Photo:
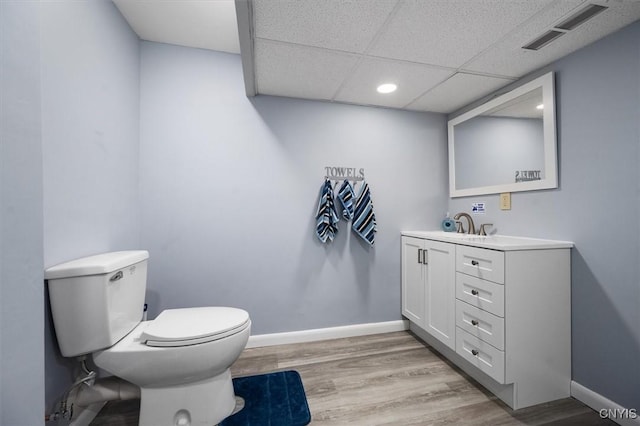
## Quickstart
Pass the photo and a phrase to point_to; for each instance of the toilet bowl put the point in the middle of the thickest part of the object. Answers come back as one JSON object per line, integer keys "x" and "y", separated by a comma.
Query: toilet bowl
{"x": 180, "y": 360}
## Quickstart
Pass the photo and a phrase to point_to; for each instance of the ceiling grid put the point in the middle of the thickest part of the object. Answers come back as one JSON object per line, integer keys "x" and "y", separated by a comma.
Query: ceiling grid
{"x": 442, "y": 54}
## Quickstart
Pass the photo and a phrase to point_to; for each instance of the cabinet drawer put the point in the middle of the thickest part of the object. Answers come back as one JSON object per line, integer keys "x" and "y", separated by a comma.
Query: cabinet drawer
{"x": 481, "y": 263}
{"x": 481, "y": 324}
{"x": 482, "y": 294}
{"x": 481, "y": 354}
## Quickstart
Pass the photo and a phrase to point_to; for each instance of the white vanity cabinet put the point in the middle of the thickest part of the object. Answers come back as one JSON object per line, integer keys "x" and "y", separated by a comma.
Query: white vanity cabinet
{"x": 428, "y": 287}
{"x": 499, "y": 307}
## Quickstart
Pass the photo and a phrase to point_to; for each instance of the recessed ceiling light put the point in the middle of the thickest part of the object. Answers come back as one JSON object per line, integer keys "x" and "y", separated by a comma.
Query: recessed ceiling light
{"x": 541, "y": 106}
{"x": 387, "y": 88}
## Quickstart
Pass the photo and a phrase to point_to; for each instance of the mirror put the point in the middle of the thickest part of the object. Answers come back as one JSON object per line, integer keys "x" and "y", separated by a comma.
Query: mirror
{"x": 507, "y": 144}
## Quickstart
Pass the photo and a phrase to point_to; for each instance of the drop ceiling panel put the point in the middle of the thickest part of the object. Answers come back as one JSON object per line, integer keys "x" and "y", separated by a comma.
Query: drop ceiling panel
{"x": 412, "y": 80}
{"x": 450, "y": 33}
{"x": 342, "y": 25}
{"x": 508, "y": 58}
{"x": 458, "y": 91}
{"x": 290, "y": 70}
{"x": 340, "y": 49}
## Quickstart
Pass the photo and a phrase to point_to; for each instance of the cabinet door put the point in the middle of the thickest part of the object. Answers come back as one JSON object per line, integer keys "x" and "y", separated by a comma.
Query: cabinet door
{"x": 413, "y": 280}
{"x": 440, "y": 296}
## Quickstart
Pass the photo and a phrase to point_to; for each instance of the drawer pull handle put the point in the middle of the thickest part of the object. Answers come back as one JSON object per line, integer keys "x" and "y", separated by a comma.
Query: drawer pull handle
{"x": 474, "y": 292}
{"x": 474, "y": 322}
{"x": 475, "y": 262}
{"x": 474, "y": 352}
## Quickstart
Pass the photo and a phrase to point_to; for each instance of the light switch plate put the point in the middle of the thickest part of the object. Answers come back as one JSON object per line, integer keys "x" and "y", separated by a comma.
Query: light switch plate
{"x": 505, "y": 201}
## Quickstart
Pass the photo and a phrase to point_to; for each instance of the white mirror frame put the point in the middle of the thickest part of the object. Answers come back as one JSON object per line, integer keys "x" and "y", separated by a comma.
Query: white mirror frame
{"x": 546, "y": 82}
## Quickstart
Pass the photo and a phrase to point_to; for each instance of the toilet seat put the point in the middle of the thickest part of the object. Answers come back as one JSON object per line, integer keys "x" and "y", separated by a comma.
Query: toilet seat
{"x": 191, "y": 326}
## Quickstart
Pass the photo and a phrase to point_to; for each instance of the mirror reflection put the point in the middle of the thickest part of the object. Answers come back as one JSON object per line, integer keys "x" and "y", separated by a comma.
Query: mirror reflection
{"x": 505, "y": 145}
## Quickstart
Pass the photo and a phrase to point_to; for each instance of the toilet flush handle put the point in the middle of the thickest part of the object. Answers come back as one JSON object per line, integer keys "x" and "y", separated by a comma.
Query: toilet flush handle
{"x": 118, "y": 275}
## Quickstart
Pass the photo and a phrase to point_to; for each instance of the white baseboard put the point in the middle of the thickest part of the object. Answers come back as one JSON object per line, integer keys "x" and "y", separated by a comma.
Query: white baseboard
{"x": 610, "y": 409}
{"x": 326, "y": 333}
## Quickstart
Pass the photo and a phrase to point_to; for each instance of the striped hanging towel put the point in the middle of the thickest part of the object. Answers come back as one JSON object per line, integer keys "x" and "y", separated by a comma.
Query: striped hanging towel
{"x": 326, "y": 217}
{"x": 364, "y": 219}
{"x": 346, "y": 197}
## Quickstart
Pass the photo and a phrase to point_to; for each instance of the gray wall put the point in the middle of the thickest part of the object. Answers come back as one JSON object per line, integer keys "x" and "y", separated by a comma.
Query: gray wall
{"x": 90, "y": 127}
{"x": 229, "y": 189}
{"x": 90, "y": 132}
{"x": 21, "y": 289}
{"x": 597, "y": 206}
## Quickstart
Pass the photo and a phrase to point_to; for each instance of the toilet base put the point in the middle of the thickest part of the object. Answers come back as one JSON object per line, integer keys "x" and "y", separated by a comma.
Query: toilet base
{"x": 203, "y": 403}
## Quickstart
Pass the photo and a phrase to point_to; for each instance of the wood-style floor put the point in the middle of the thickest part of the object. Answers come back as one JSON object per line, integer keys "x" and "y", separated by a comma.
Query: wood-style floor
{"x": 384, "y": 379}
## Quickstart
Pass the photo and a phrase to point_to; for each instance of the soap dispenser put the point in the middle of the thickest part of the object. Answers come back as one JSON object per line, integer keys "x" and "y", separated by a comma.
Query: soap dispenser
{"x": 448, "y": 224}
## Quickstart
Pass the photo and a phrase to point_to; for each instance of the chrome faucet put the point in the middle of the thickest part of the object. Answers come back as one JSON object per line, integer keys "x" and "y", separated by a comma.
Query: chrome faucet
{"x": 472, "y": 228}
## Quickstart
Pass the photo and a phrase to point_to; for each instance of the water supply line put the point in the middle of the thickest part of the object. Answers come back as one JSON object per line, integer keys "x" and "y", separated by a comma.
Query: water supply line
{"x": 93, "y": 391}
{"x": 65, "y": 411}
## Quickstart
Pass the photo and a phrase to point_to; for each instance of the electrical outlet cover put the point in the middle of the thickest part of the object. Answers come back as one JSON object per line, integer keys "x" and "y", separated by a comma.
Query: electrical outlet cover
{"x": 505, "y": 201}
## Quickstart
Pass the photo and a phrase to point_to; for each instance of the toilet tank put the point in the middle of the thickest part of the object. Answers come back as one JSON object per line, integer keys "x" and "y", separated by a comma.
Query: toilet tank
{"x": 97, "y": 300}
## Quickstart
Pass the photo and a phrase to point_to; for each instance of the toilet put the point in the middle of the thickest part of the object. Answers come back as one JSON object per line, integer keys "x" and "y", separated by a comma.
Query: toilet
{"x": 180, "y": 360}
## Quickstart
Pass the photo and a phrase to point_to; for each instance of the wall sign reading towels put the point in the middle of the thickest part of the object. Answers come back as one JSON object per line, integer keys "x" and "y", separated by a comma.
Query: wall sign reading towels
{"x": 350, "y": 173}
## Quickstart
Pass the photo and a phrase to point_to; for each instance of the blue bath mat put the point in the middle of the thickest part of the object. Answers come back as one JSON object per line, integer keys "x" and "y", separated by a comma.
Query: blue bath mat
{"x": 273, "y": 399}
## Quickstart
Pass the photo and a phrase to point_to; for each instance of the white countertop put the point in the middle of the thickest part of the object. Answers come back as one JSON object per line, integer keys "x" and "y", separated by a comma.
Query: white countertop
{"x": 495, "y": 242}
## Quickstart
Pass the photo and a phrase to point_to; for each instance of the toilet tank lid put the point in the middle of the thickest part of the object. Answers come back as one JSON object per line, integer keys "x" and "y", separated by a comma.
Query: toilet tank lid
{"x": 96, "y": 265}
